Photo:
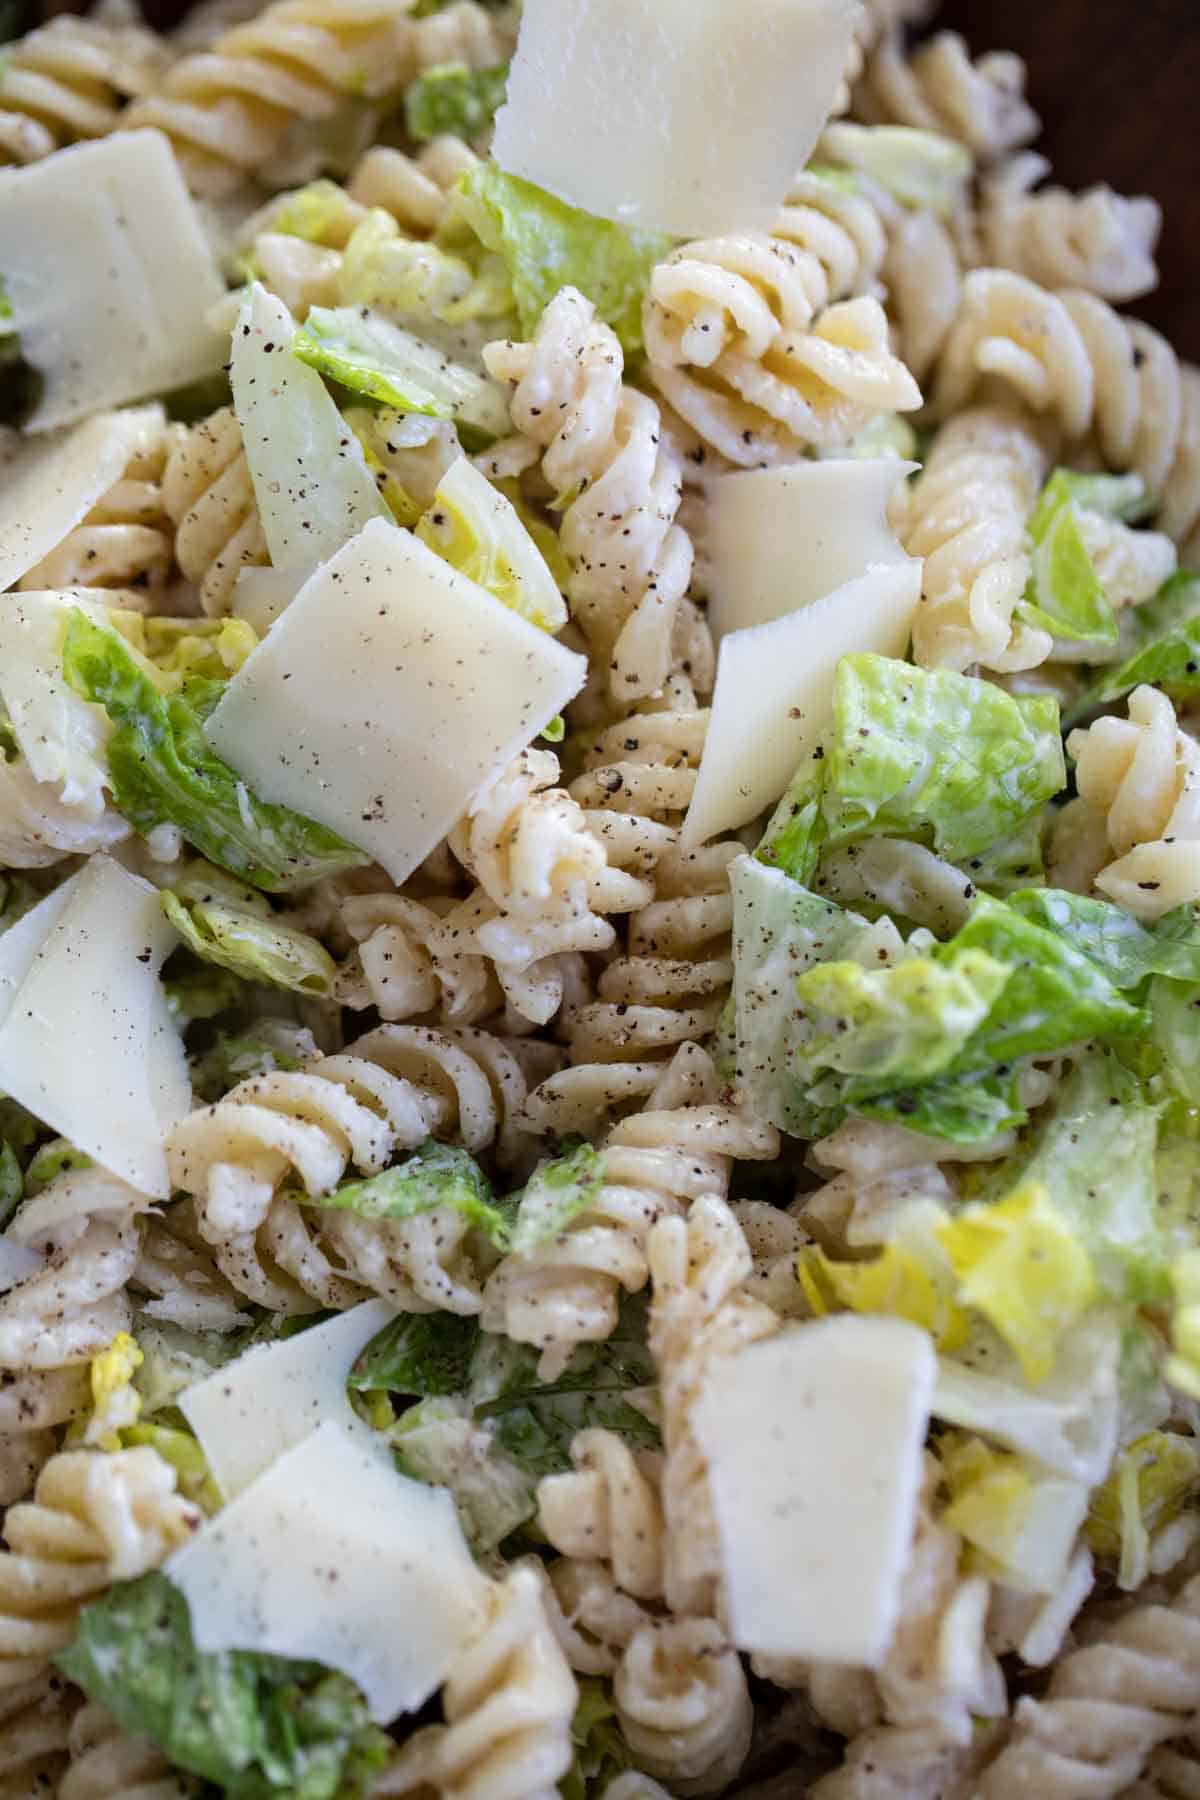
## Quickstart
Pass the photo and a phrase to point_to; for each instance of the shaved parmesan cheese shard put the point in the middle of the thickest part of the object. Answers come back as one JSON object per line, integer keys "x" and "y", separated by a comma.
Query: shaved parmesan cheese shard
{"x": 777, "y": 539}
{"x": 687, "y": 116}
{"x": 61, "y": 736}
{"x": 311, "y": 481}
{"x": 255, "y": 1409}
{"x": 774, "y": 693}
{"x": 260, "y": 595}
{"x": 814, "y": 1441}
{"x": 387, "y": 695}
{"x": 48, "y": 484}
{"x": 87, "y": 1042}
{"x": 109, "y": 274}
{"x": 17, "y": 1263}
{"x": 335, "y": 1556}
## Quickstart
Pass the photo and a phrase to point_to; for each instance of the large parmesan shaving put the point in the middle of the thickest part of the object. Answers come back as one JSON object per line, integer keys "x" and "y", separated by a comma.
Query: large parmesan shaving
{"x": 257, "y": 1408}
{"x": 87, "y": 1042}
{"x": 387, "y": 695}
{"x": 61, "y": 736}
{"x": 687, "y": 116}
{"x": 109, "y": 274}
{"x": 774, "y": 693}
{"x": 48, "y": 484}
{"x": 333, "y": 1555}
{"x": 777, "y": 539}
{"x": 814, "y": 1440}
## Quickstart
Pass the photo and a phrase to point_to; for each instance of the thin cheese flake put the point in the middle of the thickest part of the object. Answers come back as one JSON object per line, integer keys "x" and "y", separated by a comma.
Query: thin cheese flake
{"x": 266, "y": 1402}
{"x": 61, "y": 736}
{"x": 387, "y": 695}
{"x": 48, "y": 484}
{"x": 109, "y": 275}
{"x": 685, "y": 116}
{"x": 333, "y": 1555}
{"x": 778, "y": 539}
{"x": 774, "y": 693}
{"x": 814, "y": 1440}
{"x": 87, "y": 1042}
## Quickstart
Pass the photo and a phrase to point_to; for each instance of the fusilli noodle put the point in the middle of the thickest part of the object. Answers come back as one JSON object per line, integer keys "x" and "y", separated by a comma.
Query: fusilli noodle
{"x": 1098, "y": 241}
{"x": 105, "y": 1762}
{"x": 209, "y": 497}
{"x": 69, "y": 79}
{"x": 35, "y": 1720}
{"x": 607, "y": 1510}
{"x": 683, "y": 1704}
{"x": 981, "y": 103}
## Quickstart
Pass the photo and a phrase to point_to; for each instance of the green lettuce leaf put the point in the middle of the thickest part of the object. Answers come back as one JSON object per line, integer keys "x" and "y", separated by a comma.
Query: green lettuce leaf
{"x": 174, "y": 1358}
{"x": 361, "y": 350}
{"x": 163, "y": 771}
{"x": 1175, "y": 1031}
{"x": 453, "y": 98}
{"x": 601, "y": 1752}
{"x": 440, "y": 1442}
{"x": 199, "y": 991}
{"x": 435, "y": 1175}
{"x": 50, "y": 1160}
{"x": 181, "y": 1449}
{"x": 922, "y": 169}
{"x": 967, "y": 1109}
{"x": 1127, "y": 950}
{"x": 12, "y": 1183}
{"x": 235, "y": 1055}
{"x": 549, "y": 245}
{"x": 556, "y": 1192}
{"x": 473, "y": 527}
{"x": 254, "y": 1725}
{"x": 423, "y": 1355}
{"x": 1163, "y": 648}
{"x": 415, "y": 282}
{"x": 1065, "y": 595}
{"x": 254, "y": 948}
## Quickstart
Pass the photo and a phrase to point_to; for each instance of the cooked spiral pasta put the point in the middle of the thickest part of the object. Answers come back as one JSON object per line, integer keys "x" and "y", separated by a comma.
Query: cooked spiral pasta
{"x": 982, "y": 103}
{"x": 1071, "y": 356}
{"x": 209, "y": 497}
{"x": 404, "y": 965}
{"x": 32, "y": 1406}
{"x": 607, "y": 1509}
{"x": 901, "y": 1763}
{"x": 105, "y": 1762}
{"x": 603, "y": 443}
{"x": 72, "y": 1308}
{"x": 175, "y": 1268}
{"x": 1143, "y": 774}
{"x": 966, "y": 516}
{"x": 124, "y": 545}
{"x": 1099, "y": 241}
{"x": 1108, "y": 1706}
{"x": 923, "y": 275}
{"x": 388, "y": 1092}
{"x": 566, "y": 1292}
{"x": 683, "y": 1704}
{"x": 700, "y": 1312}
{"x": 228, "y": 109}
{"x": 39, "y": 828}
{"x": 69, "y": 79}
{"x": 1173, "y": 1773}
{"x": 35, "y": 1721}
{"x": 95, "y": 1518}
{"x": 508, "y": 1703}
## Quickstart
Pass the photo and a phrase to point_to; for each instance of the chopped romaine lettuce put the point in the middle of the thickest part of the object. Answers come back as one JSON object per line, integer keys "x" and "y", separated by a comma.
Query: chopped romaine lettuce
{"x": 258, "y": 1049}
{"x": 12, "y": 1183}
{"x": 967, "y": 1109}
{"x": 1162, "y": 648}
{"x": 1019, "y": 1522}
{"x": 1183, "y": 1365}
{"x": 179, "y": 1447}
{"x": 422, "y": 1355}
{"x": 453, "y": 98}
{"x": 199, "y": 991}
{"x": 601, "y": 1752}
{"x": 1175, "y": 1032}
{"x": 556, "y": 1192}
{"x": 255, "y": 1725}
{"x": 181, "y": 649}
{"x": 174, "y": 1358}
{"x": 910, "y": 1279}
{"x": 249, "y": 946}
{"x": 163, "y": 771}
{"x": 549, "y": 245}
{"x": 1127, "y": 950}
{"x": 1066, "y": 596}
{"x": 361, "y": 350}
{"x": 435, "y": 1175}
{"x": 439, "y": 1442}
{"x": 923, "y": 169}
{"x": 416, "y": 282}
{"x": 1153, "y": 1477}
{"x": 473, "y": 527}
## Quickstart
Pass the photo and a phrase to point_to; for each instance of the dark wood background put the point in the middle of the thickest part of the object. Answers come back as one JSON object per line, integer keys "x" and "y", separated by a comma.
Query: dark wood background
{"x": 1117, "y": 83}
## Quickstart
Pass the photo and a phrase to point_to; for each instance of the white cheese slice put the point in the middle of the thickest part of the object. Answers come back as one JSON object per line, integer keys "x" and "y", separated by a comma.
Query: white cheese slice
{"x": 20, "y": 944}
{"x": 814, "y": 1442}
{"x": 260, "y": 595}
{"x": 61, "y": 736}
{"x": 335, "y": 1556}
{"x": 109, "y": 274}
{"x": 255, "y": 1409}
{"x": 48, "y": 484}
{"x": 388, "y": 694}
{"x": 685, "y": 116}
{"x": 311, "y": 481}
{"x": 87, "y": 1043}
{"x": 17, "y": 1263}
{"x": 777, "y": 539}
{"x": 774, "y": 693}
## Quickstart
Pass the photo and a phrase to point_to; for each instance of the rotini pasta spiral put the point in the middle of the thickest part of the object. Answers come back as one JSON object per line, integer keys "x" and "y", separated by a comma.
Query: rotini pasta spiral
{"x": 566, "y": 1292}
{"x": 683, "y": 1704}
{"x": 966, "y": 516}
{"x": 1071, "y": 356}
{"x": 95, "y": 1518}
{"x": 1143, "y": 774}
{"x": 982, "y": 103}
{"x": 901, "y": 1763}
{"x": 1108, "y": 1707}
{"x": 105, "y": 1762}
{"x": 35, "y": 1721}
{"x": 175, "y": 1268}
{"x": 700, "y": 1312}
{"x": 72, "y": 1308}
{"x": 1099, "y": 241}
{"x": 69, "y": 79}
{"x": 407, "y": 966}
{"x": 603, "y": 444}
{"x": 209, "y": 497}
{"x": 607, "y": 1509}
{"x": 228, "y": 109}
{"x": 592, "y": 1618}
{"x": 508, "y": 1703}
{"x": 1173, "y": 1773}
{"x": 32, "y": 1405}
